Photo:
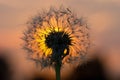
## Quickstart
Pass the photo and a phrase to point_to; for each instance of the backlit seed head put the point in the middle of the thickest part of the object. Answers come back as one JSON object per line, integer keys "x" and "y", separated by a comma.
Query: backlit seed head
{"x": 56, "y": 36}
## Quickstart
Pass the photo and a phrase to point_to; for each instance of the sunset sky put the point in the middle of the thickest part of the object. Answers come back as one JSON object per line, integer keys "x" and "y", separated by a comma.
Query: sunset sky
{"x": 102, "y": 17}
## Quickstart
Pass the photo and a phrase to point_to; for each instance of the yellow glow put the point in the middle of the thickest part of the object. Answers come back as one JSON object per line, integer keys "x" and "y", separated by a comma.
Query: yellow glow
{"x": 65, "y": 51}
{"x": 43, "y": 32}
{"x": 57, "y": 26}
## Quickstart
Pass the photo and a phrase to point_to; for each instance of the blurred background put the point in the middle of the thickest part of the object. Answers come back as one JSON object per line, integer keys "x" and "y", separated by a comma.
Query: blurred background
{"x": 102, "y": 63}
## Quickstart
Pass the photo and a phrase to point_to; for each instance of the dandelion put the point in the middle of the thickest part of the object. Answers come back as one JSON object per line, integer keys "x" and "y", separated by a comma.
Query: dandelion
{"x": 56, "y": 37}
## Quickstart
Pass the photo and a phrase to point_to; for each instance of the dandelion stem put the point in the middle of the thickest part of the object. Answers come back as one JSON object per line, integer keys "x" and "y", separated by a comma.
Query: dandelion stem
{"x": 57, "y": 70}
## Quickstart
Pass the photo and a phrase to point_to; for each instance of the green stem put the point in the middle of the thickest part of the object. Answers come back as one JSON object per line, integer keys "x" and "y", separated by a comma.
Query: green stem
{"x": 57, "y": 70}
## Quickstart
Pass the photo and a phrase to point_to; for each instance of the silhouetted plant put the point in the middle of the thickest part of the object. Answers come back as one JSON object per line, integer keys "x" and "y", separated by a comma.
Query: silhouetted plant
{"x": 5, "y": 69}
{"x": 56, "y": 37}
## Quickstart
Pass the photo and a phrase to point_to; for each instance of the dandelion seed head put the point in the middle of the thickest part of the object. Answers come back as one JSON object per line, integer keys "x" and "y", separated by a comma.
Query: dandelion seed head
{"x": 56, "y": 35}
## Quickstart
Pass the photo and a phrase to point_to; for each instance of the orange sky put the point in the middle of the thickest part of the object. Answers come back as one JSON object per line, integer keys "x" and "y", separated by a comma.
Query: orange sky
{"x": 102, "y": 15}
